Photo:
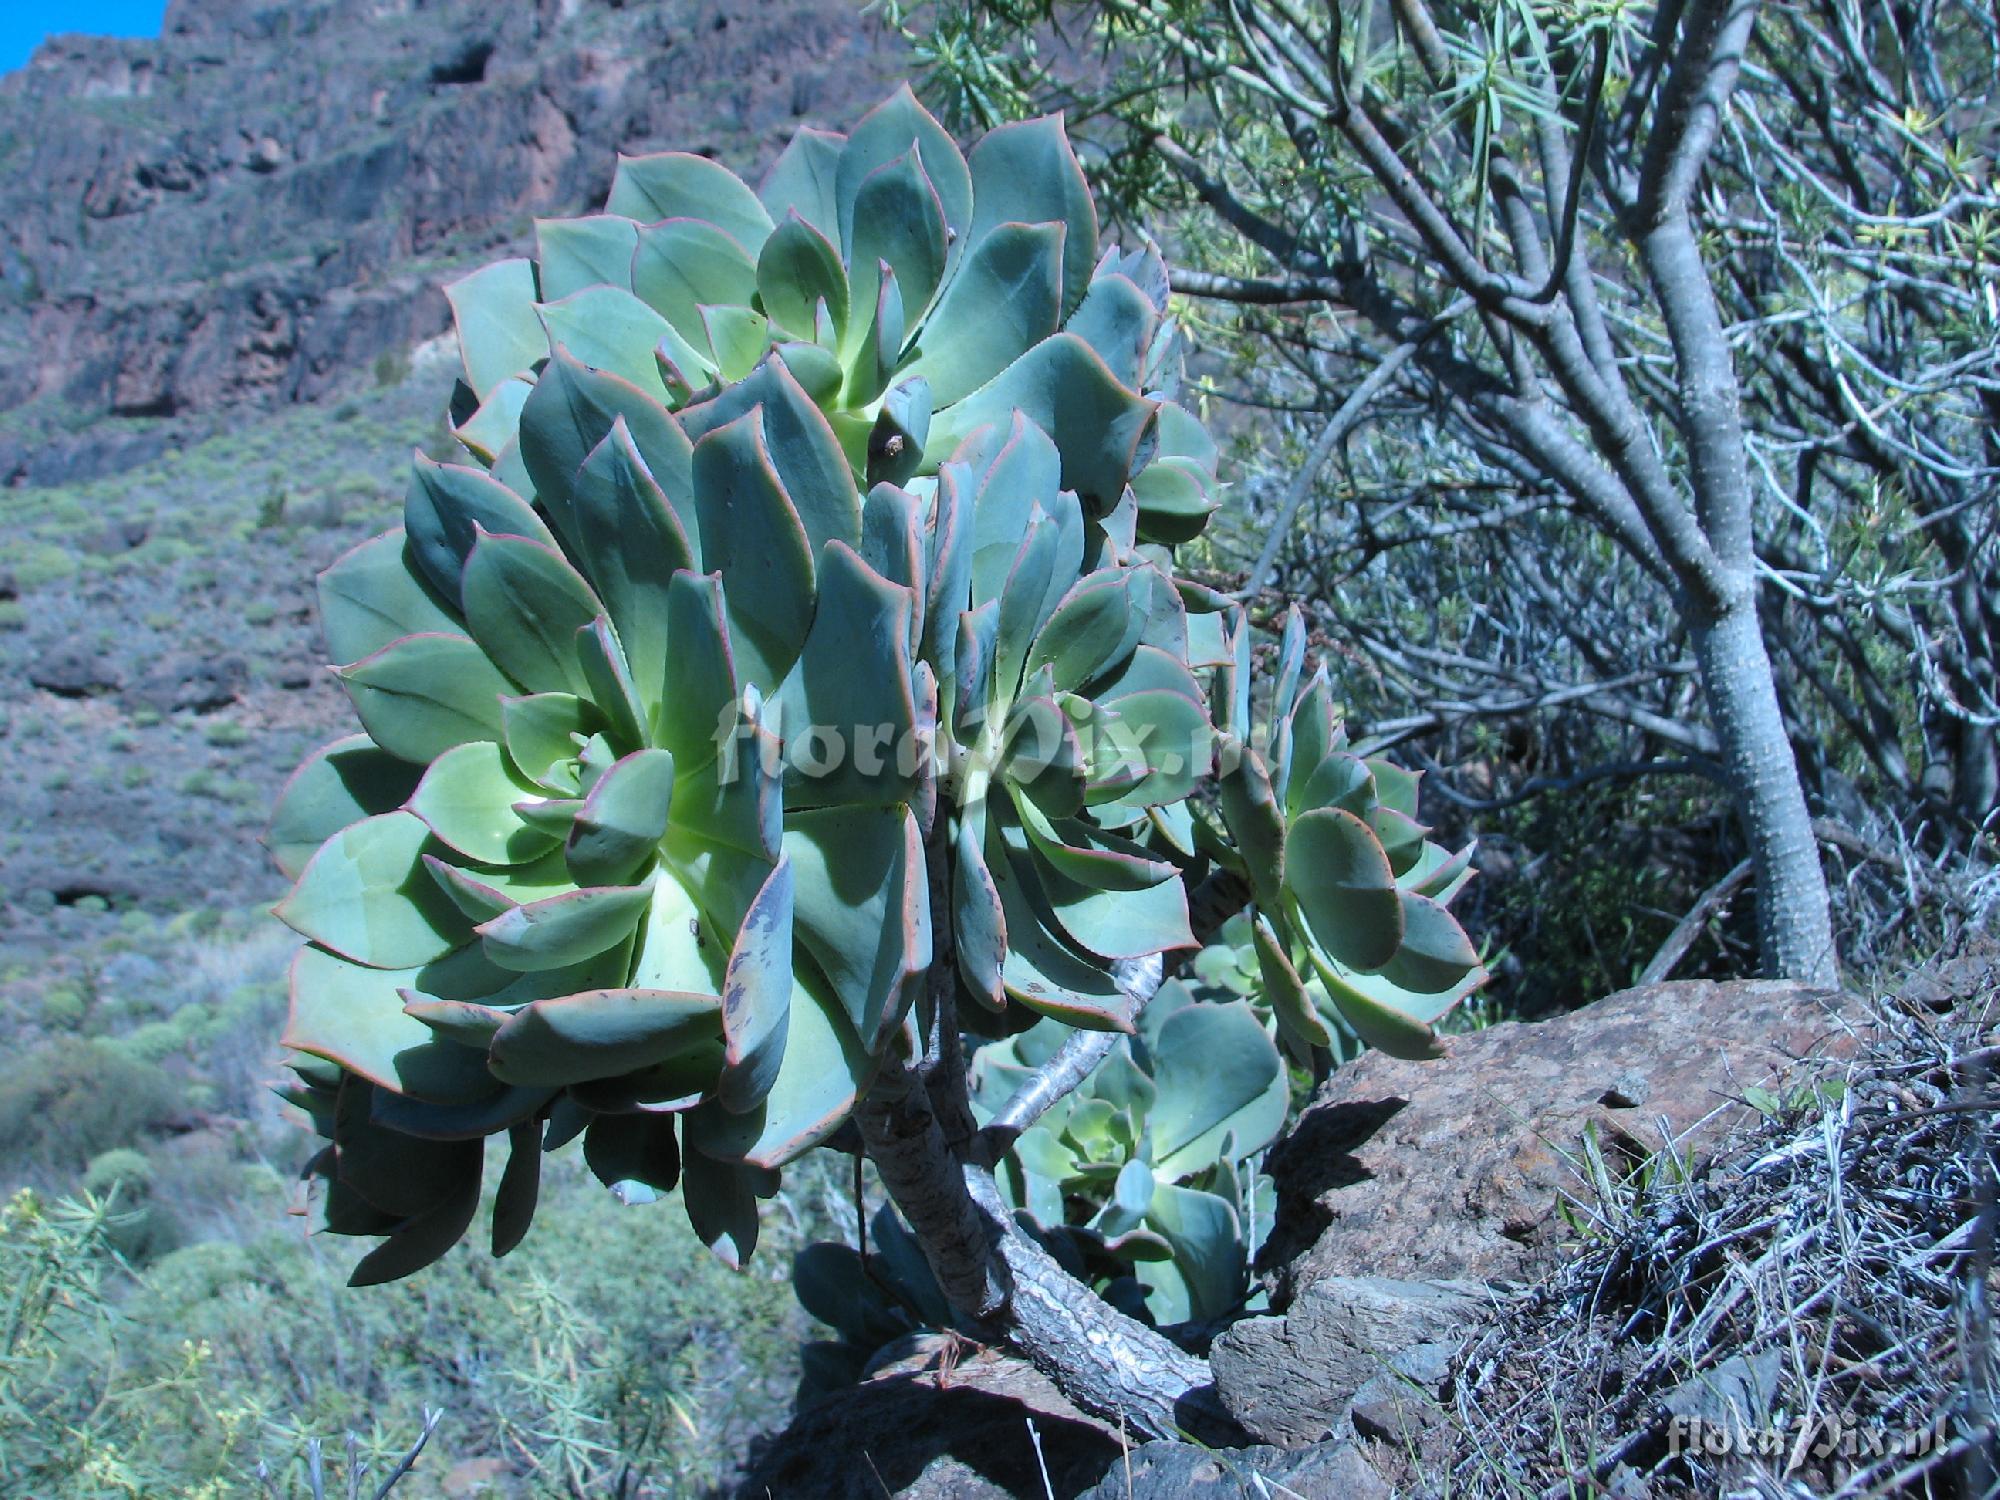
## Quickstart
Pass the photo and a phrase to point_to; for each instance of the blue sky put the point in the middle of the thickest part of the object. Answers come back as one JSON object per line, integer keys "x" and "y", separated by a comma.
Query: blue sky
{"x": 23, "y": 23}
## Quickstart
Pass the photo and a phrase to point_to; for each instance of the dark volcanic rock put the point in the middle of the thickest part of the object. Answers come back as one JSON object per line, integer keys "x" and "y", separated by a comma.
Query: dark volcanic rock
{"x": 74, "y": 672}
{"x": 190, "y": 682}
{"x": 195, "y": 224}
{"x": 1288, "y": 1379}
{"x": 1455, "y": 1168}
{"x": 1182, "y": 1471}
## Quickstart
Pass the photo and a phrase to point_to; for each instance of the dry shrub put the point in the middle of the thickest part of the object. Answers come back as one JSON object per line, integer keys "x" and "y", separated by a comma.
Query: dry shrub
{"x": 1826, "y": 1283}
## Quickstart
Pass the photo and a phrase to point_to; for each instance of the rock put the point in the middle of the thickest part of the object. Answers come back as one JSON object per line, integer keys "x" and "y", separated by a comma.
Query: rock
{"x": 1400, "y": 1406}
{"x": 929, "y": 1428}
{"x": 1288, "y": 1379}
{"x": 1735, "y": 1395}
{"x": 219, "y": 240}
{"x": 1182, "y": 1471}
{"x": 200, "y": 684}
{"x": 73, "y": 672}
{"x": 1454, "y": 1168}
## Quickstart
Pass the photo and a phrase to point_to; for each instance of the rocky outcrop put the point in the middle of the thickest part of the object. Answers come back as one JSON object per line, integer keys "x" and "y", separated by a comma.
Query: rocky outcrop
{"x": 257, "y": 206}
{"x": 1288, "y": 1379}
{"x": 1456, "y": 1168}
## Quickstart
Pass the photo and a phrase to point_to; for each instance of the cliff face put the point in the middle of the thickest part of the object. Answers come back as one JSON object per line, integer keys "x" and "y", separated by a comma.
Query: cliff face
{"x": 257, "y": 207}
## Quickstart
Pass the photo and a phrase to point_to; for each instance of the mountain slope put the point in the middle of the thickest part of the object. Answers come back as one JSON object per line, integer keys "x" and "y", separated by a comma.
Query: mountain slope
{"x": 260, "y": 204}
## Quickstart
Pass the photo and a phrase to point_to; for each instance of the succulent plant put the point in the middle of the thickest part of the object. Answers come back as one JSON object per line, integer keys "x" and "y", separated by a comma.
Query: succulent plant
{"x": 1350, "y": 921}
{"x": 808, "y": 588}
{"x": 1148, "y": 1169}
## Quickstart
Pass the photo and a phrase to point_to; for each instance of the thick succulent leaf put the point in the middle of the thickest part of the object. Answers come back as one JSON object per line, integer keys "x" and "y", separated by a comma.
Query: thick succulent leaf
{"x": 721, "y": 1202}
{"x": 892, "y": 540}
{"x": 1009, "y": 470}
{"x": 1088, "y": 855}
{"x": 608, "y": 678}
{"x": 824, "y": 1069}
{"x": 846, "y": 709}
{"x": 1093, "y": 630}
{"x": 1340, "y": 878}
{"x": 524, "y": 604}
{"x": 804, "y": 180}
{"x": 444, "y": 509}
{"x": 734, "y": 800}
{"x": 601, "y": 1034}
{"x": 1153, "y": 747}
{"x": 1439, "y": 874}
{"x": 1042, "y": 756}
{"x": 861, "y": 909}
{"x": 757, "y": 995}
{"x": 498, "y": 333}
{"x": 543, "y": 733}
{"x": 679, "y": 185}
{"x": 353, "y": 1016}
{"x": 501, "y": 1108}
{"x": 898, "y": 222}
{"x": 1395, "y": 788}
{"x": 1175, "y": 500}
{"x": 482, "y": 892}
{"x": 1117, "y": 321}
{"x": 422, "y": 695}
{"x": 571, "y": 254}
{"x": 367, "y": 896}
{"x": 1340, "y": 780}
{"x": 612, "y": 330}
{"x": 885, "y": 133}
{"x": 752, "y": 534}
{"x": 635, "y": 1155}
{"x": 1256, "y": 825}
{"x": 489, "y": 430}
{"x": 1220, "y": 1080}
{"x": 738, "y": 337}
{"x": 572, "y": 412}
{"x": 619, "y": 827}
{"x": 1204, "y": 1280}
{"x": 798, "y": 273}
{"x": 424, "y": 1239}
{"x": 1384, "y": 1015}
{"x": 629, "y": 544}
{"x": 804, "y": 452}
{"x": 1298, "y": 1018}
{"x": 699, "y": 678}
{"x": 1401, "y": 837}
{"x": 1103, "y": 431}
{"x": 1026, "y": 602}
{"x": 1118, "y": 923}
{"x": 520, "y": 1188}
{"x": 1436, "y": 957}
{"x": 1025, "y": 173}
{"x": 563, "y": 929}
{"x": 468, "y": 798}
{"x": 682, "y": 265}
{"x": 336, "y": 786}
{"x": 1004, "y": 300}
{"x": 370, "y": 597}
{"x": 978, "y": 924}
{"x": 1042, "y": 971}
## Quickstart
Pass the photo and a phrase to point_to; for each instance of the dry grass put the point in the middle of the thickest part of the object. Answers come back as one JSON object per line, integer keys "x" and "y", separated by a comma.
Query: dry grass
{"x": 1827, "y": 1281}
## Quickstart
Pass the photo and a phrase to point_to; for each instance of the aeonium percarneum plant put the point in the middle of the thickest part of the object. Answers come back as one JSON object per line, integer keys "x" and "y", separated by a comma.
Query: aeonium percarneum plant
{"x": 793, "y": 683}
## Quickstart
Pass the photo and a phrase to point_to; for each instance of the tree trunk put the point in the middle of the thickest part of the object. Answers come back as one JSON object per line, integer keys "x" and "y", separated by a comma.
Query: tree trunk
{"x": 1006, "y": 1285}
{"x": 1794, "y": 926}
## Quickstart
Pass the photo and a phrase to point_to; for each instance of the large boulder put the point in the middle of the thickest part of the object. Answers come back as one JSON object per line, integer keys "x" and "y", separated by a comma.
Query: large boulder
{"x": 1455, "y": 1169}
